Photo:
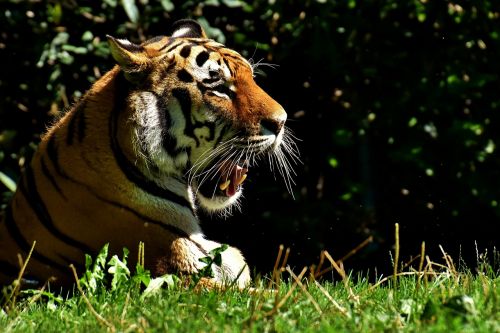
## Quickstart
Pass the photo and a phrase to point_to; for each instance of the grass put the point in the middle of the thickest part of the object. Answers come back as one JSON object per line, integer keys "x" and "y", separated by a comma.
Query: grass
{"x": 433, "y": 297}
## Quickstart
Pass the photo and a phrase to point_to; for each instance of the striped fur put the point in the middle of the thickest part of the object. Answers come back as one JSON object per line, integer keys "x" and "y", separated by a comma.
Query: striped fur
{"x": 150, "y": 143}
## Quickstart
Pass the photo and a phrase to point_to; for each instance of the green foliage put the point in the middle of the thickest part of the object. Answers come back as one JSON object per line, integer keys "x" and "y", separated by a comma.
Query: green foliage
{"x": 154, "y": 286}
{"x": 101, "y": 273}
{"x": 8, "y": 182}
{"x": 95, "y": 272}
{"x": 214, "y": 258}
{"x": 118, "y": 268}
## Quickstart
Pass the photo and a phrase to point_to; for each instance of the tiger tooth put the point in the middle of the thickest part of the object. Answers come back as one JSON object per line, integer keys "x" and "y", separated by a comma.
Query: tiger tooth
{"x": 225, "y": 185}
{"x": 241, "y": 180}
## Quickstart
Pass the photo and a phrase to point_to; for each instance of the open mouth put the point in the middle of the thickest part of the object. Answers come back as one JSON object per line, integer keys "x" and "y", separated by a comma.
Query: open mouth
{"x": 232, "y": 176}
{"x": 227, "y": 181}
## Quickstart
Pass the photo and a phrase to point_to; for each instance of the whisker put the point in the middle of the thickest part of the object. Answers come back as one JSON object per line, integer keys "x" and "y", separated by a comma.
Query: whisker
{"x": 222, "y": 161}
{"x": 212, "y": 154}
{"x": 213, "y": 170}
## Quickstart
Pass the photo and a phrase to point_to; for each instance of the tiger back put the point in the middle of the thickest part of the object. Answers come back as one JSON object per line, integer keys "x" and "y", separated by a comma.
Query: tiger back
{"x": 174, "y": 127}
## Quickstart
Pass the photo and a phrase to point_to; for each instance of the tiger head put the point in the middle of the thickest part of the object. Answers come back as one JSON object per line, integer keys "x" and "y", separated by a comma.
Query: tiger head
{"x": 199, "y": 115}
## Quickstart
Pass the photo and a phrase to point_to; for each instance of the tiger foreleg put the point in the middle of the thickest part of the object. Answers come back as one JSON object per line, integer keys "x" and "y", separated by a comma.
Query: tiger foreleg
{"x": 194, "y": 258}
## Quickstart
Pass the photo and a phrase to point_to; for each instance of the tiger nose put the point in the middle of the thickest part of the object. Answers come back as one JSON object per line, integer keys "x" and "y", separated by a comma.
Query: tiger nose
{"x": 273, "y": 124}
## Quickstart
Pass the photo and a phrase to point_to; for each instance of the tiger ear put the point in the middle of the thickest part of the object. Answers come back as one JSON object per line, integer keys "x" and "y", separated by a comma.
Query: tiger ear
{"x": 129, "y": 56}
{"x": 188, "y": 29}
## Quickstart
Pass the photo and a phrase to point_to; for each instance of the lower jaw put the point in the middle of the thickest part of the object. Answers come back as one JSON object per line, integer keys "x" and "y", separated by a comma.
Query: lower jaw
{"x": 218, "y": 202}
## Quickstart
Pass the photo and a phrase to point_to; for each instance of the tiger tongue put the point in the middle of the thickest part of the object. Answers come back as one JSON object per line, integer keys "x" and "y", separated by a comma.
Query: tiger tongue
{"x": 231, "y": 189}
{"x": 237, "y": 176}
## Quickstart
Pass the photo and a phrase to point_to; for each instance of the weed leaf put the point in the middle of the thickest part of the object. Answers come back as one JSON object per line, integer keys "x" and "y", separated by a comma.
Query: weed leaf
{"x": 142, "y": 275}
{"x": 95, "y": 274}
{"x": 155, "y": 285}
{"x": 118, "y": 268}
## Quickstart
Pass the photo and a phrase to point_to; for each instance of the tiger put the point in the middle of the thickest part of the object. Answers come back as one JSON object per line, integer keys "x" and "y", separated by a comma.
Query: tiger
{"x": 172, "y": 128}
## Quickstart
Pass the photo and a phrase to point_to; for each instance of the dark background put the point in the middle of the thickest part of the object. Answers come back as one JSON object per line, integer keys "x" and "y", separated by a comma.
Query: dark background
{"x": 396, "y": 105}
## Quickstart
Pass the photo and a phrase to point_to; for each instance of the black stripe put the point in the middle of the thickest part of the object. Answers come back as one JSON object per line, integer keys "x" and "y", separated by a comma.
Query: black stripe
{"x": 18, "y": 237}
{"x": 30, "y": 192}
{"x": 184, "y": 76}
{"x": 71, "y": 129}
{"x": 186, "y": 51}
{"x": 223, "y": 89}
{"x": 175, "y": 45}
{"x": 76, "y": 125}
{"x": 223, "y": 131}
{"x": 169, "y": 142}
{"x": 128, "y": 168}
{"x": 202, "y": 57}
{"x": 228, "y": 67}
{"x": 82, "y": 126}
{"x": 165, "y": 73}
{"x": 237, "y": 59}
{"x": 184, "y": 98}
{"x": 50, "y": 177}
{"x": 211, "y": 80}
{"x": 201, "y": 87}
{"x": 8, "y": 269}
{"x": 167, "y": 44}
{"x": 53, "y": 154}
{"x": 211, "y": 130}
